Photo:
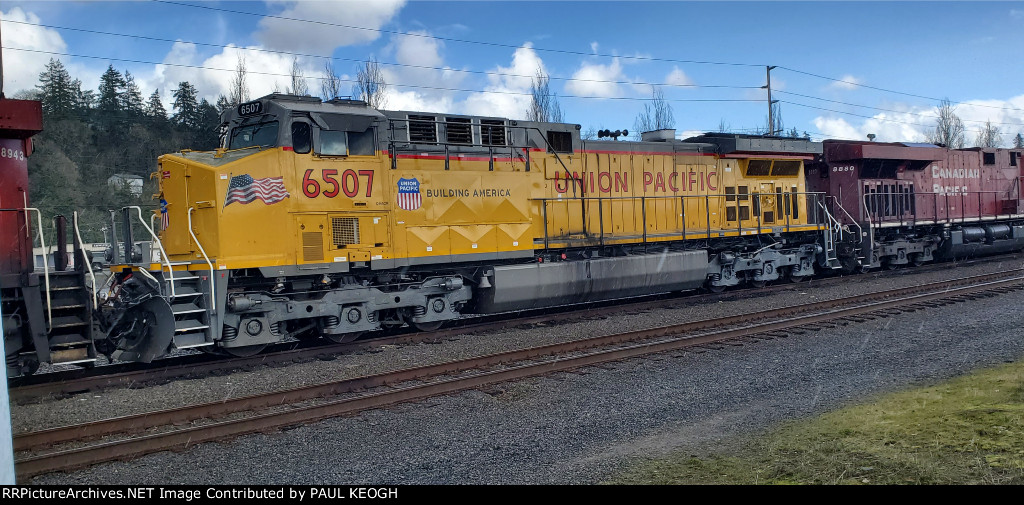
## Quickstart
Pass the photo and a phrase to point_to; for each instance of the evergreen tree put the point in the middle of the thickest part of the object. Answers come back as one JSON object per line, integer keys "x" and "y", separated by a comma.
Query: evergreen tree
{"x": 1018, "y": 141}
{"x": 131, "y": 99}
{"x": 186, "y": 106}
{"x": 57, "y": 91}
{"x": 111, "y": 99}
{"x": 155, "y": 112}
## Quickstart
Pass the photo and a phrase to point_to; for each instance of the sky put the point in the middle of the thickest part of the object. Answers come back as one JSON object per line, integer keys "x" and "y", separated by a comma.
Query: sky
{"x": 842, "y": 69}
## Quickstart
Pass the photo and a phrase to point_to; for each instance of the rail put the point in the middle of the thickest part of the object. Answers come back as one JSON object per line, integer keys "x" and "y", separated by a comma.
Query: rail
{"x": 46, "y": 267}
{"x": 85, "y": 258}
{"x": 682, "y": 217}
{"x": 213, "y": 294}
{"x": 909, "y": 208}
{"x": 156, "y": 240}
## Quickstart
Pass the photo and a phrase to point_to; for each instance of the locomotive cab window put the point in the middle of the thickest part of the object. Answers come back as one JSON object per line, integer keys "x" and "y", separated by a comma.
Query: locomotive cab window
{"x": 261, "y": 135}
{"x": 301, "y": 137}
{"x": 362, "y": 143}
{"x": 333, "y": 143}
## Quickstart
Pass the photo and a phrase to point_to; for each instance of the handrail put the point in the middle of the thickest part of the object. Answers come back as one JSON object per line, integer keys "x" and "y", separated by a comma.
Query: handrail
{"x": 85, "y": 258}
{"x": 860, "y": 230}
{"x": 159, "y": 244}
{"x": 152, "y": 221}
{"x": 46, "y": 267}
{"x": 213, "y": 298}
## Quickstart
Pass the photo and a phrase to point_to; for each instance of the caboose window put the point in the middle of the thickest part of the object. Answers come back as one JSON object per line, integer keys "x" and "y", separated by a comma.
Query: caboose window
{"x": 262, "y": 135}
{"x": 559, "y": 142}
{"x": 989, "y": 158}
{"x": 333, "y": 143}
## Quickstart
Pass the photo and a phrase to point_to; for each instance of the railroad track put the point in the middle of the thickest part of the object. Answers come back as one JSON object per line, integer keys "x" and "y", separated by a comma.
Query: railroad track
{"x": 135, "y": 375}
{"x": 71, "y": 447}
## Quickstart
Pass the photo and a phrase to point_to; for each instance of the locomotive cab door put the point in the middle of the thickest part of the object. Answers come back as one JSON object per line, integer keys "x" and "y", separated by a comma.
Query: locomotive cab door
{"x": 767, "y": 203}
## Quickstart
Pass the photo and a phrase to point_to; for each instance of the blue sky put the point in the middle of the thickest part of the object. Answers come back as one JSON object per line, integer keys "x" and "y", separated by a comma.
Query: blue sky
{"x": 603, "y": 57}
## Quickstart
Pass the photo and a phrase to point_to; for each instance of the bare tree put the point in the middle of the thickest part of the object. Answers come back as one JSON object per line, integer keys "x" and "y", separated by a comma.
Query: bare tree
{"x": 330, "y": 87}
{"x": 989, "y": 136}
{"x": 657, "y": 114}
{"x": 299, "y": 86}
{"x": 590, "y": 134}
{"x": 723, "y": 127}
{"x": 778, "y": 127}
{"x": 370, "y": 85}
{"x": 239, "y": 92}
{"x": 949, "y": 129}
{"x": 544, "y": 105}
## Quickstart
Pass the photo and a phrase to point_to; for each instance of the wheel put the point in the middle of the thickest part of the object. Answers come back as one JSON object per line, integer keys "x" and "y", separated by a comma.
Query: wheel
{"x": 245, "y": 351}
{"x": 916, "y": 260}
{"x": 891, "y": 266}
{"x": 796, "y": 279}
{"x": 758, "y": 284}
{"x": 343, "y": 338}
{"x": 432, "y": 326}
{"x": 715, "y": 289}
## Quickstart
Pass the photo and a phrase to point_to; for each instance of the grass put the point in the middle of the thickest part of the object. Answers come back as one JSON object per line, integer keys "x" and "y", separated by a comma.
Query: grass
{"x": 969, "y": 430}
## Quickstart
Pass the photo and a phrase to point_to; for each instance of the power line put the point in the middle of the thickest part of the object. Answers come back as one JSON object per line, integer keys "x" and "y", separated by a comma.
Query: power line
{"x": 418, "y": 86}
{"x": 921, "y": 114}
{"x": 356, "y": 60}
{"x": 892, "y": 91}
{"x": 869, "y": 117}
{"x": 449, "y": 39}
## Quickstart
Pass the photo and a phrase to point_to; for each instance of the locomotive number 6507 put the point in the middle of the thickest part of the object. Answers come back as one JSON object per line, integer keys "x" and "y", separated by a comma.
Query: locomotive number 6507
{"x": 349, "y": 184}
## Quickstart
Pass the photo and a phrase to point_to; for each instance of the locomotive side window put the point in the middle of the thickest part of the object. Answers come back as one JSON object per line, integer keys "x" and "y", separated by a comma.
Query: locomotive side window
{"x": 1013, "y": 158}
{"x": 262, "y": 135}
{"x": 362, "y": 143}
{"x": 796, "y": 208}
{"x": 559, "y": 142}
{"x": 989, "y": 158}
{"x": 301, "y": 138}
{"x": 492, "y": 132}
{"x": 333, "y": 143}
{"x": 759, "y": 167}
{"x": 786, "y": 168}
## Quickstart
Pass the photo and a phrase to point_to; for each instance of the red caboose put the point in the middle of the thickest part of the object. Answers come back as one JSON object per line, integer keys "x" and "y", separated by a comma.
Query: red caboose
{"x": 917, "y": 201}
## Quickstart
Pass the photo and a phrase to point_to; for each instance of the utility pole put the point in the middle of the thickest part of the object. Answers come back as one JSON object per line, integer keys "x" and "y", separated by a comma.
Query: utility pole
{"x": 771, "y": 103}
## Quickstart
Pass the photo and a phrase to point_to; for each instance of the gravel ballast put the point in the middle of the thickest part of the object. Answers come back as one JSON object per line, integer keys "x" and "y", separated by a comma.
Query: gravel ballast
{"x": 571, "y": 427}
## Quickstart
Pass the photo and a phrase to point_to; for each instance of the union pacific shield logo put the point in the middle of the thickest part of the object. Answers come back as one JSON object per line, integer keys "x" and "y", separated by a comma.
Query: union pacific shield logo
{"x": 409, "y": 194}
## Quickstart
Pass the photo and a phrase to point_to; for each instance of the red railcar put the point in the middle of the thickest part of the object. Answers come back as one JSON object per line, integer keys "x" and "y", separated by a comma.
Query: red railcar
{"x": 914, "y": 202}
{"x": 47, "y": 313}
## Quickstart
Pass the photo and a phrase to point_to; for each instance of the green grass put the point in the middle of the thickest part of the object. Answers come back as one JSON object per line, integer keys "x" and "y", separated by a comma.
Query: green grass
{"x": 966, "y": 431}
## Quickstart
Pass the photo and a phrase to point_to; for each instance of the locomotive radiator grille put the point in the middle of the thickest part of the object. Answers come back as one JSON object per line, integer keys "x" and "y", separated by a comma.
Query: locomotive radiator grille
{"x": 345, "y": 231}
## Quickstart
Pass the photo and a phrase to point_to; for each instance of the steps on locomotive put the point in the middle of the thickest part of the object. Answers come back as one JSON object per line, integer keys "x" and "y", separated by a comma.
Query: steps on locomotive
{"x": 70, "y": 337}
{"x": 191, "y": 319}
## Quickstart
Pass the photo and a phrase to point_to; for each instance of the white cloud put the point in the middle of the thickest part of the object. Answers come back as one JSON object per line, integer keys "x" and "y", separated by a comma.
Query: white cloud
{"x": 425, "y": 67}
{"x": 596, "y": 80}
{"x": 317, "y": 38}
{"x": 22, "y": 68}
{"x": 593, "y": 47}
{"x": 914, "y": 123}
{"x": 265, "y": 72}
{"x": 847, "y": 82}
{"x": 507, "y": 93}
{"x": 678, "y": 78}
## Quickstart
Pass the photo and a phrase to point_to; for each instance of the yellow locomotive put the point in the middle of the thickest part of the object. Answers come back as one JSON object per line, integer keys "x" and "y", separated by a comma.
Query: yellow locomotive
{"x": 335, "y": 219}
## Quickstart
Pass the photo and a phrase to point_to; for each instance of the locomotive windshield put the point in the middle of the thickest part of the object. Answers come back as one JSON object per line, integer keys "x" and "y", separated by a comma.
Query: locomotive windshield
{"x": 261, "y": 134}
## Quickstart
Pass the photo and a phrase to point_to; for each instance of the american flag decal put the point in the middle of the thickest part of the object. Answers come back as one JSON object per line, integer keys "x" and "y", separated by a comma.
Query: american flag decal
{"x": 409, "y": 194}
{"x": 245, "y": 189}
{"x": 165, "y": 219}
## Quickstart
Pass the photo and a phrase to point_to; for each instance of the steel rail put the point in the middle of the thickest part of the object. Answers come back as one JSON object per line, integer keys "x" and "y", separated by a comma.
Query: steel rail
{"x": 182, "y": 438}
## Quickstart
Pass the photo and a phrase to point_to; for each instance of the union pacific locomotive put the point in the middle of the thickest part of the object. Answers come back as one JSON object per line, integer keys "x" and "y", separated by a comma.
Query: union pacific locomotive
{"x": 335, "y": 219}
